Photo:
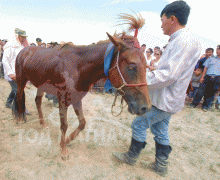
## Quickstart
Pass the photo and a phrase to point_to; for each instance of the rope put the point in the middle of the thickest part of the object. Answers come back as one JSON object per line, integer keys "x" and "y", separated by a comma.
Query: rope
{"x": 121, "y": 105}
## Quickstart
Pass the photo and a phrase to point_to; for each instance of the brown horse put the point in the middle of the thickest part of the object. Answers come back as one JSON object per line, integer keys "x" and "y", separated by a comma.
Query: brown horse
{"x": 69, "y": 72}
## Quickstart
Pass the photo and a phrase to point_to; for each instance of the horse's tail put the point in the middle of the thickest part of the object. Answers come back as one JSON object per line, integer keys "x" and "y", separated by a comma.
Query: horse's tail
{"x": 18, "y": 109}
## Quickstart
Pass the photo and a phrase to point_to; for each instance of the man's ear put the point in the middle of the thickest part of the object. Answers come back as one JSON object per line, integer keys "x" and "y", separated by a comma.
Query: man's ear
{"x": 173, "y": 19}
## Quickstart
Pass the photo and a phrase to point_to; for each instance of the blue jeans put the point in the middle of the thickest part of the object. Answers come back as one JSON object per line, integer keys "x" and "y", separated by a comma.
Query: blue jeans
{"x": 193, "y": 93}
{"x": 155, "y": 119}
{"x": 207, "y": 89}
{"x": 13, "y": 92}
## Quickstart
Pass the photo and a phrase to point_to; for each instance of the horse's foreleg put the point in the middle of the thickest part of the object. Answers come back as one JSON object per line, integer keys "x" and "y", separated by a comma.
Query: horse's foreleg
{"x": 78, "y": 110}
{"x": 38, "y": 101}
{"x": 63, "y": 127}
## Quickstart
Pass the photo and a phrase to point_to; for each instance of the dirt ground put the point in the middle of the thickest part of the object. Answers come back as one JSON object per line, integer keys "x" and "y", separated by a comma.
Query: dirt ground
{"x": 29, "y": 152}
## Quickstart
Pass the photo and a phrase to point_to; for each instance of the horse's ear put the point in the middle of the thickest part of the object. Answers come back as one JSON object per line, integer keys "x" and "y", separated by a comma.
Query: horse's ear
{"x": 113, "y": 40}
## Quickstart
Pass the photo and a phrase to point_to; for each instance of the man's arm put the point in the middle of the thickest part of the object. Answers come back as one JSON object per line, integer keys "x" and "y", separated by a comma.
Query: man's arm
{"x": 203, "y": 75}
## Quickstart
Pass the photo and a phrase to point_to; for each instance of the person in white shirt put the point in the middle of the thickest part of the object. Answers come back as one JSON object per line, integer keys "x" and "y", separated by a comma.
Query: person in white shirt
{"x": 167, "y": 85}
{"x": 11, "y": 50}
{"x": 154, "y": 63}
{"x": 149, "y": 57}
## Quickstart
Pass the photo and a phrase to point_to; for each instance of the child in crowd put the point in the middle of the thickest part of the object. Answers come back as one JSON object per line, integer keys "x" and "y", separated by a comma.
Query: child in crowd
{"x": 197, "y": 74}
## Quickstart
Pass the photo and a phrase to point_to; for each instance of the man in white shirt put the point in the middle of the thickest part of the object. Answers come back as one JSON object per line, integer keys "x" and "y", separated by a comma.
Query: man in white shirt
{"x": 167, "y": 85}
{"x": 11, "y": 50}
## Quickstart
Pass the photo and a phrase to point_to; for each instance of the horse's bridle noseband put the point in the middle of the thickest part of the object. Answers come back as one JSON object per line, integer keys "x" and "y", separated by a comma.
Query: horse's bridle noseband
{"x": 123, "y": 80}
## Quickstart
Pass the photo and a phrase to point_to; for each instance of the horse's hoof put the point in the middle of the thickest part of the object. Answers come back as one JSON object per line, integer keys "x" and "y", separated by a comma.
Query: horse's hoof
{"x": 65, "y": 157}
{"x": 44, "y": 126}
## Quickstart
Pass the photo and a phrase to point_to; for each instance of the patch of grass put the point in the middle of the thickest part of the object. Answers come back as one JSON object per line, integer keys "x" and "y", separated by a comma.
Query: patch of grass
{"x": 185, "y": 148}
{"x": 198, "y": 120}
{"x": 101, "y": 176}
{"x": 13, "y": 133}
{"x": 139, "y": 177}
{"x": 192, "y": 161}
{"x": 216, "y": 128}
{"x": 8, "y": 174}
{"x": 128, "y": 124}
{"x": 60, "y": 165}
{"x": 212, "y": 167}
{"x": 51, "y": 163}
{"x": 92, "y": 146}
{"x": 209, "y": 141}
{"x": 177, "y": 128}
{"x": 149, "y": 152}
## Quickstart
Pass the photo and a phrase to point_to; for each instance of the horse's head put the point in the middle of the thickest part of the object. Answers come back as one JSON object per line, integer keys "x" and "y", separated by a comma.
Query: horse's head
{"x": 128, "y": 75}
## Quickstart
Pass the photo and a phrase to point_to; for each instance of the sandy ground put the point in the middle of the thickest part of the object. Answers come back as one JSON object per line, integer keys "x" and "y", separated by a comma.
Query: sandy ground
{"x": 29, "y": 152}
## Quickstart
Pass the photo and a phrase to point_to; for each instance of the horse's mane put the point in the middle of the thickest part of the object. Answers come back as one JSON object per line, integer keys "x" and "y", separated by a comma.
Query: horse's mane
{"x": 133, "y": 22}
{"x": 122, "y": 37}
{"x": 66, "y": 45}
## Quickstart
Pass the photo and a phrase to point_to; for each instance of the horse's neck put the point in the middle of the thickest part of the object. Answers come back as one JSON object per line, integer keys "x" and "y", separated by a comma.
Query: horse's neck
{"x": 92, "y": 65}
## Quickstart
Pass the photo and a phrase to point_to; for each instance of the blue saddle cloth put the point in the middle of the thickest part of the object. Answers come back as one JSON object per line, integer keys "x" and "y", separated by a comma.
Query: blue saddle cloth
{"x": 107, "y": 63}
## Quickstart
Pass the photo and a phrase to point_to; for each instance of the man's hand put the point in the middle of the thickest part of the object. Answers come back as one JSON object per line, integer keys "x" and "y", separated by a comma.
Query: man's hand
{"x": 13, "y": 77}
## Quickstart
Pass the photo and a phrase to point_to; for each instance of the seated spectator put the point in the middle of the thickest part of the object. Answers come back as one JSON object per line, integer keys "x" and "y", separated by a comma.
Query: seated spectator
{"x": 209, "y": 82}
{"x": 195, "y": 81}
{"x": 154, "y": 62}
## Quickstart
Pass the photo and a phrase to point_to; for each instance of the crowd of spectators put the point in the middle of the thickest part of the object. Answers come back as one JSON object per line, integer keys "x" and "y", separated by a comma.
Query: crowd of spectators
{"x": 205, "y": 83}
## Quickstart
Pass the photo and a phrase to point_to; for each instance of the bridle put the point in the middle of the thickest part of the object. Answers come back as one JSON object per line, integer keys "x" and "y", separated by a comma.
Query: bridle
{"x": 124, "y": 84}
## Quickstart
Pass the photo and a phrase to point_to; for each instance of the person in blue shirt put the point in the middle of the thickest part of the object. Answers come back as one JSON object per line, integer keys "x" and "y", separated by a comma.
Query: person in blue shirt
{"x": 209, "y": 82}
{"x": 208, "y": 53}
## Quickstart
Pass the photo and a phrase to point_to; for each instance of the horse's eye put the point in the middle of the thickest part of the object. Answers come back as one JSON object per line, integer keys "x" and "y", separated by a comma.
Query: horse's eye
{"x": 132, "y": 67}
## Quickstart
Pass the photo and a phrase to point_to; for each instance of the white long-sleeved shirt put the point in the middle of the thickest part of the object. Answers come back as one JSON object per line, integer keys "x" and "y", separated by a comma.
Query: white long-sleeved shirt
{"x": 11, "y": 50}
{"x": 169, "y": 82}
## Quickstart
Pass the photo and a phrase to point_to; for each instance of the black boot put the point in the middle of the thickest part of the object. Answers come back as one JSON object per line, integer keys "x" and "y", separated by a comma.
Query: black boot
{"x": 130, "y": 157}
{"x": 160, "y": 166}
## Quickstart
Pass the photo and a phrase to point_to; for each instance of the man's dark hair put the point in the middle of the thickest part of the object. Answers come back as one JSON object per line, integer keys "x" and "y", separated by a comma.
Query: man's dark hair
{"x": 151, "y": 50}
{"x": 143, "y": 45}
{"x": 179, "y": 9}
{"x": 210, "y": 49}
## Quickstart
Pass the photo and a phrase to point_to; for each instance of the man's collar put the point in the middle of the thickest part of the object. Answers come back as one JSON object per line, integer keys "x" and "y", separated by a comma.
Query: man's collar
{"x": 174, "y": 35}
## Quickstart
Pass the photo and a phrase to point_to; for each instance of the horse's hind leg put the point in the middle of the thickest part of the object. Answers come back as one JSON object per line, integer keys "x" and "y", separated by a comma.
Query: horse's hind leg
{"x": 38, "y": 101}
{"x": 63, "y": 127}
{"x": 78, "y": 110}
